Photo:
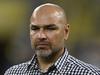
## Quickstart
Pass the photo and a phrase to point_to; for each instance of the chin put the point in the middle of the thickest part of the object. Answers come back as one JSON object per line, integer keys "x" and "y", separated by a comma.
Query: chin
{"x": 42, "y": 53}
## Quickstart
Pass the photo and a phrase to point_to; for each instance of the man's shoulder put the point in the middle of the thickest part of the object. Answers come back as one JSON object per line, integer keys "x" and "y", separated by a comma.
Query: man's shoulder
{"x": 82, "y": 66}
{"x": 20, "y": 68}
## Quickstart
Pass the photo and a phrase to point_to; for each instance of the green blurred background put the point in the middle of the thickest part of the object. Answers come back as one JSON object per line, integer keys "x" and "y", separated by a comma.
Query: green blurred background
{"x": 83, "y": 17}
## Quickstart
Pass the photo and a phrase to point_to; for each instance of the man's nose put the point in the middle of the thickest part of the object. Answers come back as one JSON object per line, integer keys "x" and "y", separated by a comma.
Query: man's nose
{"x": 41, "y": 35}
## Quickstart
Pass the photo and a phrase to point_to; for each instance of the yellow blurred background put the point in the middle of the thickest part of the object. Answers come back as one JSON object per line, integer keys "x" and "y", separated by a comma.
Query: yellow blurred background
{"x": 83, "y": 17}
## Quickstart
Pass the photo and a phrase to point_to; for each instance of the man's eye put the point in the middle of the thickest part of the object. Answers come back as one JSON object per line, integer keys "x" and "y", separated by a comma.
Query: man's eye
{"x": 51, "y": 28}
{"x": 34, "y": 28}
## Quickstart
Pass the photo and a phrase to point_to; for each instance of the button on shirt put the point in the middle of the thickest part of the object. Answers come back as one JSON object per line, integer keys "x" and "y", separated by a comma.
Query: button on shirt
{"x": 65, "y": 65}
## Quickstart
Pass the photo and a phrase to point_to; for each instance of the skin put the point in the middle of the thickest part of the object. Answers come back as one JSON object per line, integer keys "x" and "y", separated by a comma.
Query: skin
{"x": 48, "y": 31}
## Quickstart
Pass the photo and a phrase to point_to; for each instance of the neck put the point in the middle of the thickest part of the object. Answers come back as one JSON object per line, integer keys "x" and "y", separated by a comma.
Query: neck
{"x": 46, "y": 62}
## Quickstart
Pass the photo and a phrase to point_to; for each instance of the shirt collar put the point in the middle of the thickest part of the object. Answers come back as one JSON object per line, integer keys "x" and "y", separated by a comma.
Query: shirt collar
{"x": 59, "y": 64}
{"x": 33, "y": 63}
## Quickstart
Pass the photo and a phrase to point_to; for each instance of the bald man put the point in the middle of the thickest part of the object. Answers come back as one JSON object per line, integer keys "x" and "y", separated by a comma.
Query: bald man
{"x": 48, "y": 31}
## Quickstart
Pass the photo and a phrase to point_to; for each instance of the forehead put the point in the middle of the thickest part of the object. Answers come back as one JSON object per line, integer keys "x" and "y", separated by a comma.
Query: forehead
{"x": 46, "y": 19}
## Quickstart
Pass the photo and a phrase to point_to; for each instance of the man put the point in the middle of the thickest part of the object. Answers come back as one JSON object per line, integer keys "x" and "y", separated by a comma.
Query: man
{"x": 48, "y": 31}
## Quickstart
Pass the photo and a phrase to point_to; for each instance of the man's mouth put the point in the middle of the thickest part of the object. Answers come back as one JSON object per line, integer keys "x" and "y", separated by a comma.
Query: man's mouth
{"x": 42, "y": 45}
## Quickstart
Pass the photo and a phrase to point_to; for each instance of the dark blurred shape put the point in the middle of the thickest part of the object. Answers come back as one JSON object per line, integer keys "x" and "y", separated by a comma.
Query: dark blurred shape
{"x": 3, "y": 61}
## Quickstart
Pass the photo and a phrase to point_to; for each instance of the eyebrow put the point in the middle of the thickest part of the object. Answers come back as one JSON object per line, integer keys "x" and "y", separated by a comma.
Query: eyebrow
{"x": 49, "y": 25}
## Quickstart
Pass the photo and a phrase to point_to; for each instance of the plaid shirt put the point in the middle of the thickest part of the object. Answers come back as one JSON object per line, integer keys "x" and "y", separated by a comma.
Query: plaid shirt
{"x": 65, "y": 65}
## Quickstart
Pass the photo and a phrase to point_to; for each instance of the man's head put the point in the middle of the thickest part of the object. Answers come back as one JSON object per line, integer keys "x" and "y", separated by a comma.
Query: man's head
{"x": 48, "y": 29}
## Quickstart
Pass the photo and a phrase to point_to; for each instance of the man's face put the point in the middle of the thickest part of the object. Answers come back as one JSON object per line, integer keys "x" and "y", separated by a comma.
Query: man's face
{"x": 47, "y": 34}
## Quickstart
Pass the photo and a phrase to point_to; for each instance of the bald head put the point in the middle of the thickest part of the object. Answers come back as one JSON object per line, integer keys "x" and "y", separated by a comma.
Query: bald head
{"x": 49, "y": 11}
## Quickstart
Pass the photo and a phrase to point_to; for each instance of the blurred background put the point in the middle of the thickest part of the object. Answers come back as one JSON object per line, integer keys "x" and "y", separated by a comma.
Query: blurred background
{"x": 83, "y": 17}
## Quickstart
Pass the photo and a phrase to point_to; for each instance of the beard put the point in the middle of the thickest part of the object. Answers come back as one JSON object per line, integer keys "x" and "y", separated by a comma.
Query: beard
{"x": 44, "y": 48}
{"x": 45, "y": 52}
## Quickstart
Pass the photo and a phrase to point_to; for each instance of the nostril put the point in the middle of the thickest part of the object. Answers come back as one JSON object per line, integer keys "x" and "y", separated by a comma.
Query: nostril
{"x": 42, "y": 39}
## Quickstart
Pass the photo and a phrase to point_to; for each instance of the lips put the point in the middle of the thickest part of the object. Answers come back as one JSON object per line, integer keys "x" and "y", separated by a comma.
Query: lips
{"x": 42, "y": 44}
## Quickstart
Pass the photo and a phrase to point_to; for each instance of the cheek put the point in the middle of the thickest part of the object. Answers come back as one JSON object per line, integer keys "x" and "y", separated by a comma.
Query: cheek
{"x": 32, "y": 38}
{"x": 31, "y": 34}
{"x": 56, "y": 38}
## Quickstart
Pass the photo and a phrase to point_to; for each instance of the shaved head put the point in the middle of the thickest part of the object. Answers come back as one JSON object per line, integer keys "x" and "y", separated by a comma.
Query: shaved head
{"x": 49, "y": 10}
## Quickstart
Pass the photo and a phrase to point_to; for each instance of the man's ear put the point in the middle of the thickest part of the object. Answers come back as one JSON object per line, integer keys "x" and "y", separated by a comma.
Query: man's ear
{"x": 66, "y": 32}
